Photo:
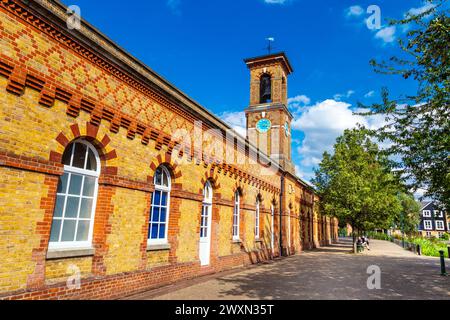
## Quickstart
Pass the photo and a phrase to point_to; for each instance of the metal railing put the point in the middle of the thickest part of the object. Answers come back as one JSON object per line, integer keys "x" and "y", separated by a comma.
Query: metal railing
{"x": 415, "y": 248}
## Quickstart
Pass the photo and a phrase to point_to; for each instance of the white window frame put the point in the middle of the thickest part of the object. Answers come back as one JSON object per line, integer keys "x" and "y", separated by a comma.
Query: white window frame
{"x": 439, "y": 225}
{"x": 161, "y": 188}
{"x": 438, "y": 214}
{"x": 236, "y": 216}
{"x": 206, "y": 210}
{"x": 427, "y": 213}
{"x": 257, "y": 235}
{"x": 60, "y": 245}
{"x": 426, "y": 227}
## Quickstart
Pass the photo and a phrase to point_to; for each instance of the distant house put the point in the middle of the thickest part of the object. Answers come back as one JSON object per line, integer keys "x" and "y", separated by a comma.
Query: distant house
{"x": 433, "y": 220}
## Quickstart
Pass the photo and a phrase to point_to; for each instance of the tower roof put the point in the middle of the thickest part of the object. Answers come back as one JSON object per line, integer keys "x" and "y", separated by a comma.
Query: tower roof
{"x": 275, "y": 57}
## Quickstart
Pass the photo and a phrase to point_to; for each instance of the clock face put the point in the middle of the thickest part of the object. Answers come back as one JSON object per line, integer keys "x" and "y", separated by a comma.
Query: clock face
{"x": 287, "y": 130}
{"x": 263, "y": 125}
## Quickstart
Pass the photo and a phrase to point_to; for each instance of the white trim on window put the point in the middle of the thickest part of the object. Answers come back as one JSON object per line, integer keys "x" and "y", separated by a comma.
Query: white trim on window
{"x": 427, "y": 224}
{"x": 236, "y": 214}
{"x": 205, "y": 228}
{"x": 162, "y": 182}
{"x": 257, "y": 220}
{"x": 78, "y": 196}
{"x": 426, "y": 213}
{"x": 440, "y": 225}
{"x": 438, "y": 214}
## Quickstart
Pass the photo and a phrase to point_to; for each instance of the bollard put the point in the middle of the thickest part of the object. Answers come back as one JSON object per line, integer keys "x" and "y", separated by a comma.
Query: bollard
{"x": 443, "y": 272}
{"x": 419, "y": 250}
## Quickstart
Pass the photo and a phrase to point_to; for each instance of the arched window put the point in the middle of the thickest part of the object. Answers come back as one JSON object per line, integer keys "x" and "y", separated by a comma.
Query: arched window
{"x": 236, "y": 216}
{"x": 206, "y": 210}
{"x": 159, "y": 217}
{"x": 76, "y": 196}
{"x": 257, "y": 219}
{"x": 265, "y": 88}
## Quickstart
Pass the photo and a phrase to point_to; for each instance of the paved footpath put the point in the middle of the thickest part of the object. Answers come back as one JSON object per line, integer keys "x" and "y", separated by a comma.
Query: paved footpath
{"x": 325, "y": 273}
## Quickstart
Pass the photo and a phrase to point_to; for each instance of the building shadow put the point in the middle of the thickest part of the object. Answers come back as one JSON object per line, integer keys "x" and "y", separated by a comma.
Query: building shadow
{"x": 338, "y": 276}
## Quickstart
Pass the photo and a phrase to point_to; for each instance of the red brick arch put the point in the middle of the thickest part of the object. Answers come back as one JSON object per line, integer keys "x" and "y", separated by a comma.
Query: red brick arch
{"x": 89, "y": 133}
{"x": 211, "y": 176}
{"x": 167, "y": 160}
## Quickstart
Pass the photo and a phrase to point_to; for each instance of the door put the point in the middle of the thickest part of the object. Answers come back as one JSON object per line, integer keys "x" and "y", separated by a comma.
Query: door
{"x": 205, "y": 226}
{"x": 205, "y": 235}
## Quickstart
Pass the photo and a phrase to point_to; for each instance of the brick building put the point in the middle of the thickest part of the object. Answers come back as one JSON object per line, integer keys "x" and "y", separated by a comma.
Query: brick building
{"x": 111, "y": 173}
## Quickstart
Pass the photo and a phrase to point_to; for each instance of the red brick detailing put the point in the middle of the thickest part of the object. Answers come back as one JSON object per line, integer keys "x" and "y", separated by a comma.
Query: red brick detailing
{"x": 47, "y": 97}
{"x": 16, "y": 83}
{"x": 36, "y": 280}
{"x": 168, "y": 161}
{"x": 62, "y": 140}
{"x": 119, "y": 285}
{"x": 55, "y": 157}
{"x": 102, "y": 228}
{"x": 76, "y": 103}
{"x": 148, "y": 199}
{"x": 75, "y": 130}
{"x": 91, "y": 130}
{"x": 105, "y": 141}
{"x": 30, "y": 164}
{"x": 111, "y": 155}
{"x": 210, "y": 176}
{"x": 173, "y": 228}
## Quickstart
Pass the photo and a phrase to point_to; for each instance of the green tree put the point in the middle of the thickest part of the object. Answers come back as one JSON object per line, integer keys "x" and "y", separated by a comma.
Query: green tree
{"x": 409, "y": 217}
{"x": 418, "y": 126}
{"x": 356, "y": 185}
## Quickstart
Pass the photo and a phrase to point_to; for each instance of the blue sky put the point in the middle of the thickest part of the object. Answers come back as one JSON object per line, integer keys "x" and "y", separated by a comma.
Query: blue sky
{"x": 199, "y": 46}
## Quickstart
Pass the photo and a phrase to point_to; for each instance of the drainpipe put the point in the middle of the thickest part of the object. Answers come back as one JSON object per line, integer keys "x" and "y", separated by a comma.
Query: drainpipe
{"x": 281, "y": 213}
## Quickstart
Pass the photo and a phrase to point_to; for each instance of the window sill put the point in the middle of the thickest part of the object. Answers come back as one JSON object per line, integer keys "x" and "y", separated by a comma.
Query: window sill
{"x": 158, "y": 247}
{"x": 258, "y": 240}
{"x": 53, "y": 254}
{"x": 236, "y": 241}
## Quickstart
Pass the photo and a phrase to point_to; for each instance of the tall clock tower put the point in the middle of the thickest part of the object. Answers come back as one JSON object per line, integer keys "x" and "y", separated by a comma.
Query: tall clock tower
{"x": 268, "y": 117}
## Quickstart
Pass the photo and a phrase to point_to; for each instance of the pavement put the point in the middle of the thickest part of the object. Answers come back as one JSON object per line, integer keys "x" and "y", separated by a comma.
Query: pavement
{"x": 327, "y": 273}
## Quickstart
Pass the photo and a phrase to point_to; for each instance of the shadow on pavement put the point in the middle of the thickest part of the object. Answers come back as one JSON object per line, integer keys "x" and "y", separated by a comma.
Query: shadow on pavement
{"x": 315, "y": 275}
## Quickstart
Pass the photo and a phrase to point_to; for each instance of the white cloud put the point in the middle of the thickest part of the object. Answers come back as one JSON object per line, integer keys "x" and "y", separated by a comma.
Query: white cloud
{"x": 386, "y": 34}
{"x": 297, "y": 102}
{"x": 355, "y": 11}
{"x": 300, "y": 99}
{"x": 236, "y": 120}
{"x": 339, "y": 96}
{"x": 420, "y": 10}
{"x": 321, "y": 124}
{"x": 369, "y": 94}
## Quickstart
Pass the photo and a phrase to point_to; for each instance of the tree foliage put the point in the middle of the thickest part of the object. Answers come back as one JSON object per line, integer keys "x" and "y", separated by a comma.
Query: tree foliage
{"x": 418, "y": 126}
{"x": 356, "y": 185}
{"x": 409, "y": 217}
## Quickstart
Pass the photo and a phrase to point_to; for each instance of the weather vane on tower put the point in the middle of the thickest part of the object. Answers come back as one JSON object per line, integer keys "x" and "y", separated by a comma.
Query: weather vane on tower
{"x": 269, "y": 44}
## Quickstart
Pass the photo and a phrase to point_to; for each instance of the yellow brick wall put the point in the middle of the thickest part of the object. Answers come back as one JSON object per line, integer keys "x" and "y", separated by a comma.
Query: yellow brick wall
{"x": 157, "y": 258}
{"x": 126, "y": 236}
{"x": 20, "y": 194}
{"x": 188, "y": 238}
{"x": 59, "y": 270}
